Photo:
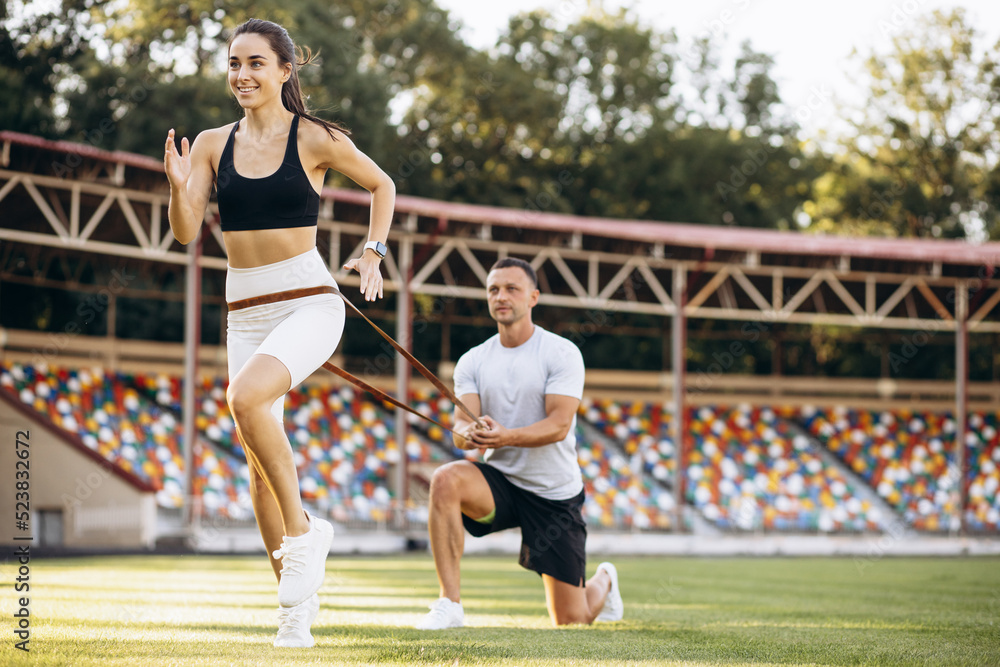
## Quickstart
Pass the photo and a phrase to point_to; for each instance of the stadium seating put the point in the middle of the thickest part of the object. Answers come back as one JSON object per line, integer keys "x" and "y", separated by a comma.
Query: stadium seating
{"x": 617, "y": 494}
{"x": 909, "y": 458}
{"x": 643, "y": 429}
{"x": 983, "y": 440}
{"x": 133, "y": 422}
{"x": 747, "y": 468}
{"x": 343, "y": 449}
{"x": 905, "y": 456}
{"x": 111, "y": 416}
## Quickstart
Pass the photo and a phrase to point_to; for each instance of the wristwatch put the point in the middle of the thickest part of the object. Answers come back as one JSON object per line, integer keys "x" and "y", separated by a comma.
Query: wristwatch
{"x": 378, "y": 247}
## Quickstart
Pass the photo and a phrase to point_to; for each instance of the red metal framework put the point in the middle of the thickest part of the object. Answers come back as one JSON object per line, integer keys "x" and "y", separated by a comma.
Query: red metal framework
{"x": 80, "y": 199}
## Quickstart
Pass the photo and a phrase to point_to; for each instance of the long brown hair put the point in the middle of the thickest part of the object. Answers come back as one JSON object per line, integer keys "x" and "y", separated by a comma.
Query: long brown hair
{"x": 281, "y": 43}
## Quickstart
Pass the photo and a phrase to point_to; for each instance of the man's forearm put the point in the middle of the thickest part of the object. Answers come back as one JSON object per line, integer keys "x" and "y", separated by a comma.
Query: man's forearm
{"x": 539, "y": 434}
{"x": 462, "y": 423}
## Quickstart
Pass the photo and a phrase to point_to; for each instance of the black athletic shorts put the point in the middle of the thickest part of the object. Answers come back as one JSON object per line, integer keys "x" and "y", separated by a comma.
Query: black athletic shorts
{"x": 553, "y": 532}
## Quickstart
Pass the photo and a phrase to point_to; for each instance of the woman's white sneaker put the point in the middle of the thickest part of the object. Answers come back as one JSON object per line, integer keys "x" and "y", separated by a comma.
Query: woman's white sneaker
{"x": 303, "y": 562}
{"x": 614, "y": 607}
{"x": 294, "y": 623}
{"x": 444, "y": 614}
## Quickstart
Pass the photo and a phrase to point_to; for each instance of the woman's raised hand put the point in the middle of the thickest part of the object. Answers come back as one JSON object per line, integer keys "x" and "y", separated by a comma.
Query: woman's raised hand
{"x": 177, "y": 165}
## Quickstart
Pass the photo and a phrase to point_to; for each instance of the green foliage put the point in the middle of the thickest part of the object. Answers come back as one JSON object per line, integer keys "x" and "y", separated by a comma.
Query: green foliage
{"x": 923, "y": 160}
{"x": 39, "y": 52}
{"x": 595, "y": 115}
{"x": 582, "y": 116}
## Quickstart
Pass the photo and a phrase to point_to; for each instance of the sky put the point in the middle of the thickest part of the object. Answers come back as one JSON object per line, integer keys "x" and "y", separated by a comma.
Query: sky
{"x": 811, "y": 41}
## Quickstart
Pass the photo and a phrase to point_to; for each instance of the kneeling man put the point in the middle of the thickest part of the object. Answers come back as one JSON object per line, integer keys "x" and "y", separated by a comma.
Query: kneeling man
{"x": 526, "y": 383}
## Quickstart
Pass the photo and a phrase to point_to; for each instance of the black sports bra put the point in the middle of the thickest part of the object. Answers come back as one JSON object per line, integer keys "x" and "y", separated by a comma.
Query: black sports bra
{"x": 284, "y": 199}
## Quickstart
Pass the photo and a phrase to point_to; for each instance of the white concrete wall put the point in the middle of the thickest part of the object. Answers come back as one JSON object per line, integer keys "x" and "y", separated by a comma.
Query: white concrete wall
{"x": 100, "y": 509}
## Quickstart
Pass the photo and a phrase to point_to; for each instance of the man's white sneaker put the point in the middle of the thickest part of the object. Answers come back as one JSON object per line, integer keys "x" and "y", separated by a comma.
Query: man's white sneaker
{"x": 444, "y": 614}
{"x": 614, "y": 608}
{"x": 303, "y": 562}
{"x": 294, "y": 623}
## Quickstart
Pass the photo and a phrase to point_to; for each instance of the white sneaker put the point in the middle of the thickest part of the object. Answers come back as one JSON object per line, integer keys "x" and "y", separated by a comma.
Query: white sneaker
{"x": 303, "y": 562}
{"x": 294, "y": 623}
{"x": 444, "y": 614}
{"x": 614, "y": 608}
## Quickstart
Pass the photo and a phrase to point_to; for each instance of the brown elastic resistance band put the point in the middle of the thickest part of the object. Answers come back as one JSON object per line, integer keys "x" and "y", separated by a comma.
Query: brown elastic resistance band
{"x": 379, "y": 394}
{"x": 336, "y": 370}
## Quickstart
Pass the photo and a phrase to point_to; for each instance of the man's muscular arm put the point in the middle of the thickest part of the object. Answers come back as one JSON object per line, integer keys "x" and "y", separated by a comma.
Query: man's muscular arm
{"x": 558, "y": 420}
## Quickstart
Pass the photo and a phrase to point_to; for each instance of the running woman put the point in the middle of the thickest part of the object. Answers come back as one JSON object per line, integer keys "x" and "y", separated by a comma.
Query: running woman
{"x": 284, "y": 321}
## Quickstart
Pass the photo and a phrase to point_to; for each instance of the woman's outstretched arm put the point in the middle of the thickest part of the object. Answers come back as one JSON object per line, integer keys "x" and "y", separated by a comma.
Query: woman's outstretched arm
{"x": 191, "y": 175}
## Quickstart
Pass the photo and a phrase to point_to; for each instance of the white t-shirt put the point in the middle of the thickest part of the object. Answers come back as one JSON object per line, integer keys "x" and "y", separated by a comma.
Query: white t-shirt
{"x": 512, "y": 383}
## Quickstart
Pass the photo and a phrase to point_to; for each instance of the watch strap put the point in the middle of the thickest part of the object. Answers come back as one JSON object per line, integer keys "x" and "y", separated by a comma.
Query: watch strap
{"x": 378, "y": 247}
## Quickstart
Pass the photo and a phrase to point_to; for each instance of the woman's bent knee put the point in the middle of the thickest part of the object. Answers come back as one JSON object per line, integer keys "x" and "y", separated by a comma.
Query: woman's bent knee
{"x": 243, "y": 401}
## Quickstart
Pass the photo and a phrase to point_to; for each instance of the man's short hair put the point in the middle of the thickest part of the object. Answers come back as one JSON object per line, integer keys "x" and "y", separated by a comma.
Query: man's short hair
{"x": 519, "y": 263}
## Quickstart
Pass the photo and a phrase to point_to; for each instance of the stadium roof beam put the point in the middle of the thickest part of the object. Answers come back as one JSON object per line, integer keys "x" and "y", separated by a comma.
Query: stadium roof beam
{"x": 116, "y": 206}
{"x": 72, "y": 196}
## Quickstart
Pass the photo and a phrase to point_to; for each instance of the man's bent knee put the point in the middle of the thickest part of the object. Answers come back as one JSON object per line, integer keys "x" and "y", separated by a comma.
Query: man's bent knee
{"x": 570, "y": 619}
{"x": 446, "y": 483}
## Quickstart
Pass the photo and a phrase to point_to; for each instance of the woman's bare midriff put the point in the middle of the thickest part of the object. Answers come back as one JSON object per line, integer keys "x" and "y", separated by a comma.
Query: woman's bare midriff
{"x": 249, "y": 249}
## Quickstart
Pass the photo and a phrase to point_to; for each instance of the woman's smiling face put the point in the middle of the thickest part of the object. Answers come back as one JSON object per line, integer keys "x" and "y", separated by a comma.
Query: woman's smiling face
{"x": 255, "y": 74}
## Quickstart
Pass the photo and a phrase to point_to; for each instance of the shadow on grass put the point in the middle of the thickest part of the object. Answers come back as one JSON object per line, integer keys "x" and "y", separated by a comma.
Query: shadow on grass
{"x": 354, "y": 644}
{"x": 625, "y": 642}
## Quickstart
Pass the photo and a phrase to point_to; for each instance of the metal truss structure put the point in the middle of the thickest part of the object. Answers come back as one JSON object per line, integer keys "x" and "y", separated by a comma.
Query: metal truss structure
{"x": 114, "y": 204}
{"x": 58, "y": 199}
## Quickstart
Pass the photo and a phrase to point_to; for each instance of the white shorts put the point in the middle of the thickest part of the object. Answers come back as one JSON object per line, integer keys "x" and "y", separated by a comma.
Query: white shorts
{"x": 300, "y": 333}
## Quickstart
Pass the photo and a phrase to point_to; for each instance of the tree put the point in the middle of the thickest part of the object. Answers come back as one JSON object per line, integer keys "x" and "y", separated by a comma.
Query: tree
{"x": 922, "y": 160}
{"x": 149, "y": 65}
{"x": 372, "y": 53}
{"x": 38, "y": 51}
{"x": 582, "y": 116}
{"x": 588, "y": 118}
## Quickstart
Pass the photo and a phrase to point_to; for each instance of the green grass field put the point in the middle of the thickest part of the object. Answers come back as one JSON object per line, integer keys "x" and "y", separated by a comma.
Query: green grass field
{"x": 197, "y": 610}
